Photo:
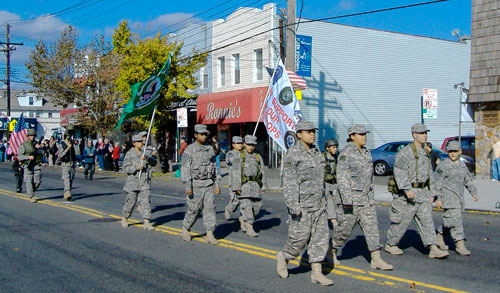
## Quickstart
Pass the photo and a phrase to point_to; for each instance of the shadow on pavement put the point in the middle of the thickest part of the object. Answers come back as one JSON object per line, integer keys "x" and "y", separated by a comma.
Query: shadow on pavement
{"x": 168, "y": 218}
{"x": 166, "y": 207}
{"x": 412, "y": 239}
{"x": 266, "y": 224}
{"x": 355, "y": 247}
{"x": 79, "y": 196}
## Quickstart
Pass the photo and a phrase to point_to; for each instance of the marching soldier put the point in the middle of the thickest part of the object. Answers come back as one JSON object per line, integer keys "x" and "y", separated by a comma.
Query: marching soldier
{"x": 330, "y": 155}
{"x": 412, "y": 197}
{"x": 199, "y": 174}
{"x": 248, "y": 181}
{"x": 450, "y": 179}
{"x": 68, "y": 157}
{"x": 139, "y": 169}
{"x": 233, "y": 198}
{"x": 304, "y": 171}
{"x": 30, "y": 155}
{"x": 356, "y": 195}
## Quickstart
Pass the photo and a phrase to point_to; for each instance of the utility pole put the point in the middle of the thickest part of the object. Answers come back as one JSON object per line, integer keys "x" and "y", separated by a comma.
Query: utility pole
{"x": 282, "y": 39}
{"x": 7, "y": 47}
{"x": 290, "y": 35}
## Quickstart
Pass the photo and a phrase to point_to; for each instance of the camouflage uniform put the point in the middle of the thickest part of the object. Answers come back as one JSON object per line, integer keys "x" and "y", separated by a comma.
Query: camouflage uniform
{"x": 198, "y": 173}
{"x": 32, "y": 168}
{"x": 68, "y": 158}
{"x": 450, "y": 179}
{"x": 250, "y": 197}
{"x": 233, "y": 199}
{"x": 303, "y": 173}
{"x": 403, "y": 210}
{"x": 138, "y": 189}
{"x": 355, "y": 186}
{"x": 331, "y": 192}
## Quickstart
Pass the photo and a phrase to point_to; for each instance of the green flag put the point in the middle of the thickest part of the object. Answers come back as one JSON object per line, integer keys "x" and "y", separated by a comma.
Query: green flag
{"x": 145, "y": 94}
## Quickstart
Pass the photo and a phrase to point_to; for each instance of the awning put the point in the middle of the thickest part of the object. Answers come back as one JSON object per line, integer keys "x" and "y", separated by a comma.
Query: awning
{"x": 70, "y": 116}
{"x": 230, "y": 107}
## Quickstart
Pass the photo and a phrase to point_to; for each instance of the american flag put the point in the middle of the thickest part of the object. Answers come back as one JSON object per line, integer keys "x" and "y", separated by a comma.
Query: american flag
{"x": 18, "y": 136}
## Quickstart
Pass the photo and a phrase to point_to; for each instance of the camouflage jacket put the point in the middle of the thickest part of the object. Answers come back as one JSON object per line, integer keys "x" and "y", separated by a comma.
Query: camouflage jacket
{"x": 229, "y": 161}
{"x": 26, "y": 149}
{"x": 198, "y": 167}
{"x": 405, "y": 172}
{"x": 450, "y": 179}
{"x": 303, "y": 178}
{"x": 130, "y": 166}
{"x": 252, "y": 168}
{"x": 355, "y": 176}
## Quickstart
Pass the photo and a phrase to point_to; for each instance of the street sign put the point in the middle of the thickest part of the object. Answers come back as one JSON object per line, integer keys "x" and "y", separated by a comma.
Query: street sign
{"x": 182, "y": 117}
{"x": 429, "y": 103}
{"x": 303, "y": 47}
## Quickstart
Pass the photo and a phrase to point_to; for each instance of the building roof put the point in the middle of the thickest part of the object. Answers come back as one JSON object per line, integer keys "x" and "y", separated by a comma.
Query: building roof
{"x": 14, "y": 103}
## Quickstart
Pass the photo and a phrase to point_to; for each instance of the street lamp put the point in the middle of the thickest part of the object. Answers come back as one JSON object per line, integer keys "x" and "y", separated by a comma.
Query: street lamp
{"x": 460, "y": 103}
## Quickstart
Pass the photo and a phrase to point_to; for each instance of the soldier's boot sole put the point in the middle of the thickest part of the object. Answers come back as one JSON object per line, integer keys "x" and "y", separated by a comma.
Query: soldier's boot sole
{"x": 441, "y": 243}
{"x": 435, "y": 252}
{"x": 378, "y": 263}
{"x": 243, "y": 225}
{"x": 282, "y": 265}
{"x": 317, "y": 275}
{"x": 124, "y": 222}
{"x": 394, "y": 250}
{"x": 147, "y": 225}
{"x": 227, "y": 213}
{"x": 250, "y": 231}
{"x": 211, "y": 239}
{"x": 461, "y": 249}
{"x": 186, "y": 236}
{"x": 32, "y": 199}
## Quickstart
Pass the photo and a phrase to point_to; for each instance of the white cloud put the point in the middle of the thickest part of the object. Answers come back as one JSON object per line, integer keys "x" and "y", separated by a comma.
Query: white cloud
{"x": 166, "y": 23}
{"x": 347, "y": 4}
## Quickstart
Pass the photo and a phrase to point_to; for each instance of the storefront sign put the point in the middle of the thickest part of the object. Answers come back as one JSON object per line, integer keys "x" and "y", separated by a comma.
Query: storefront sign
{"x": 4, "y": 123}
{"x": 491, "y": 118}
{"x": 189, "y": 103}
{"x": 429, "y": 103}
{"x": 303, "y": 50}
{"x": 182, "y": 117}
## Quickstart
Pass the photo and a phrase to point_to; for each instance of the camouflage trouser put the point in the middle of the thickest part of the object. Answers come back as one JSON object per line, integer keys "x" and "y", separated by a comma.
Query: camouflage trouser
{"x": 202, "y": 199}
{"x": 233, "y": 203}
{"x": 452, "y": 221}
{"x": 331, "y": 206}
{"x": 401, "y": 214}
{"x": 250, "y": 208}
{"x": 311, "y": 230}
{"x": 68, "y": 174}
{"x": 366, "y": 217}
{"x": 32, "y": 178}
{"x": 143, "y": 200}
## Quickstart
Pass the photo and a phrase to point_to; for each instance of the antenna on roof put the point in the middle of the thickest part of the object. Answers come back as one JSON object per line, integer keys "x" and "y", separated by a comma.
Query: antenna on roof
{"x": 455, "y": 32}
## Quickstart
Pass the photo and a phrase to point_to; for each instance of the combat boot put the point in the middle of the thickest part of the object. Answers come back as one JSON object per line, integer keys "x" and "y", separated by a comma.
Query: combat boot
{"x": 33, "y": 199}
{"x": 124, "y": 222}
{"x": 227, "y": 213}
{"x": 331, "y": 257}
{"x": 317, "y": 275}
{"x": 441, "y": 243}
{"x": 243, "y": 225}
{"x": 250, "y": 231}
{"x": 460, "y": 248}
{"x": 395, "y": 250}
{"x": 210, "y": 238}
{"x": 378, "y": 263}
{"x": 186, "y": 236}
{"x": 436, "y": 252}
{"x": 67, "y": 195}
{"x": 147, "y": 225}
{"x": 282, "y": 265}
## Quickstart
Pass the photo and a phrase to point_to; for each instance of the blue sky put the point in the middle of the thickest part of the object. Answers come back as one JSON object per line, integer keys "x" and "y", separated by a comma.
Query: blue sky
{"x": 32, "y": 20}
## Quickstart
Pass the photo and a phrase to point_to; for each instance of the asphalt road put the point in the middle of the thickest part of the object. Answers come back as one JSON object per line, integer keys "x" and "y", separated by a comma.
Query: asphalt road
{"x": 61, "y": 246}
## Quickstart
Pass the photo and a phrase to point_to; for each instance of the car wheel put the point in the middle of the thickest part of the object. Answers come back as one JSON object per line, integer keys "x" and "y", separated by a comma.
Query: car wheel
{"x": 380, "y": 168}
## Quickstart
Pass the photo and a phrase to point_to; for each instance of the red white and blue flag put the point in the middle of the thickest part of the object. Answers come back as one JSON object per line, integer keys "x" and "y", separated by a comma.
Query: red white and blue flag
{"x": 18, "y": 136}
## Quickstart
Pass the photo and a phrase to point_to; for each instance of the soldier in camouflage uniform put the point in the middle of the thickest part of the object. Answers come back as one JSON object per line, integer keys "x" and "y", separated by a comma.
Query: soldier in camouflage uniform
{"x": 233, "y": 198}
{"x": 248, "y": 181}
{"x": 303, "y": 175}
{"x": 330, "y": 155}
{"x": 412, "y": 198}
{"x": 450, "y": 179}
{"x": 199, "y": 174}
{"x": 356, "y": 201}
{"x": 67, "y": 155}
{"x": 30, "y": 156}
{"x": 138, "y": 185}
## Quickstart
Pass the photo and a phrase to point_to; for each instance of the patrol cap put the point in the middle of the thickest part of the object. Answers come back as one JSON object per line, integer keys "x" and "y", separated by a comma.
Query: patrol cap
{"x": 30, "y": 132}
{"x": 237, "y": 139}
{"x": 331, "y": 142}
{"x": 305, "y": 125}
{"x": 137, "y": 137}
{"x": 250, "y": 139}
{"x": 419, "y": 128}
{"x": 453, "y": 146}
{"x": 200, "y": 128}
{"x": 357, "y": 128}
{"x": 143, "y": 133}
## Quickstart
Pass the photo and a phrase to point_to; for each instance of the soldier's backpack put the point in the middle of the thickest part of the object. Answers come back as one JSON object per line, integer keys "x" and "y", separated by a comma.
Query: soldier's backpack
{"x": 329, "y": 177}
{"x": 245, "y": 179}
{"x": 392, "y": 186}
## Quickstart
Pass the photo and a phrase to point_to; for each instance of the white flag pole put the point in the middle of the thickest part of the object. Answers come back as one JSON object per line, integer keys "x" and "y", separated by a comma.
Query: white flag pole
{"x": 147, "y": 136}
{"x": 265, "y": 99}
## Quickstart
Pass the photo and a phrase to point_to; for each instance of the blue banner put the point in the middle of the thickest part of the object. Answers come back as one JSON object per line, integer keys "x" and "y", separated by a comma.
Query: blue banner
{"x": 303, "y": 50}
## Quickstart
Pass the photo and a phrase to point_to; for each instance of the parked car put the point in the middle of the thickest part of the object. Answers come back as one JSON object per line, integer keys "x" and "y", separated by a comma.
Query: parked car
{"x": 384, "y": 156}
{"x": 468, "y": 144}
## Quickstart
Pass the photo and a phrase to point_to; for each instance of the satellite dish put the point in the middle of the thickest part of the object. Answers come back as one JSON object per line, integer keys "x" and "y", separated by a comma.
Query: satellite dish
{"x": 455, "y": 32}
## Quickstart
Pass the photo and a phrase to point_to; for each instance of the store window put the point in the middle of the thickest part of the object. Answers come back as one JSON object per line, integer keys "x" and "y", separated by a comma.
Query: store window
{"x": 221, "y": 66}
{"x": 50, "y": 114}
{"x": 259, "y": 64}
{"x": 236, "y": 68}
{"x": 31, "y": 101}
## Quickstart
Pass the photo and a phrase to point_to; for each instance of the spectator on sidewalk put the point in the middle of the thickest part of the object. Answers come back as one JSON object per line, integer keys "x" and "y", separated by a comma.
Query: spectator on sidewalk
{"x": 3, "y": 150}
{"x": 89, "y": 155}
{"x": 116, "y": 156}
{"x": 52, "y": 151}
{"x": 99, "y": 148}
{"x": 495, "y": 158}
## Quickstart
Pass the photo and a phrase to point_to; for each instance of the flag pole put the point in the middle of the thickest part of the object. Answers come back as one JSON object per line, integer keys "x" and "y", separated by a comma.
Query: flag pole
{"x": 267, "y": 93}
{"x": 147, "y": 136}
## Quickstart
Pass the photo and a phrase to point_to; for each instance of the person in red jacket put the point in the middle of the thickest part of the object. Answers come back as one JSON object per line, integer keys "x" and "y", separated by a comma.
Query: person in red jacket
{"x": 116, "y": 156}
